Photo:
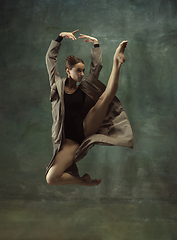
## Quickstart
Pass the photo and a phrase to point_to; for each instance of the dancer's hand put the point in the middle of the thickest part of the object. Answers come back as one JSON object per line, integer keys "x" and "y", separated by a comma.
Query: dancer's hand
{"x": 89, "y": 39}
{"x": 69, "y": 34}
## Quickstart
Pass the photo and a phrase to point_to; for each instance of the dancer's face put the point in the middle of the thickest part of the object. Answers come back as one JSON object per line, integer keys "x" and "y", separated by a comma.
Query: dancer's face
{"x": 77, "y": 72}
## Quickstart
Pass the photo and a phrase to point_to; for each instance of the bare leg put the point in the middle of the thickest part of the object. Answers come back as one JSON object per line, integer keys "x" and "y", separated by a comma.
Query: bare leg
{"x": 57, "y": 174}
{"x": 64, "y": 158}
{"x": 67, "y": 179}
{"x": 98, "y": 112}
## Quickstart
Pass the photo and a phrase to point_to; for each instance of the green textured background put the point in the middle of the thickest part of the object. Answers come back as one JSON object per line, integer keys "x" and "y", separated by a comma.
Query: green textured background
{"x": 147, "y": 90}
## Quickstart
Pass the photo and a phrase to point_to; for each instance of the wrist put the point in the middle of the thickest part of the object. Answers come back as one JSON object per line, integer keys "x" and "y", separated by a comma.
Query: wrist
{"x": 95, "y": 41}
{"x": 59, "y": 38}
{"x": 116, "y": 63}
{"x": 61, "y": 35}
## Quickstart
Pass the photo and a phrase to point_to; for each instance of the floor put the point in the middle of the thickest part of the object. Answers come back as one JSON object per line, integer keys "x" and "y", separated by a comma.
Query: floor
{"x": 82, "y": 220}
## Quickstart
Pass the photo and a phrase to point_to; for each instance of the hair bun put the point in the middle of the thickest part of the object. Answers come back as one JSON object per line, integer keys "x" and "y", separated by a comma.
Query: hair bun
{"x": 71, "y": 61}
{"x": 69, "y": 57}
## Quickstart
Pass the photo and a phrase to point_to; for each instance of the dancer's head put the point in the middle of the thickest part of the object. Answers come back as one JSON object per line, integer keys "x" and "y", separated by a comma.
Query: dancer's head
{"x": 75, "y": 68}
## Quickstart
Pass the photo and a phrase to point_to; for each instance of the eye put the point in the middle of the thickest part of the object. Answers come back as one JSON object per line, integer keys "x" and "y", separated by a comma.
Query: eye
{"x": 80, "y": 70}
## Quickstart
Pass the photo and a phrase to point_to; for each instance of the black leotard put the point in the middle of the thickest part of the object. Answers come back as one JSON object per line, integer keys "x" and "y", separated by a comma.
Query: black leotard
{"x": 73, "y": 122}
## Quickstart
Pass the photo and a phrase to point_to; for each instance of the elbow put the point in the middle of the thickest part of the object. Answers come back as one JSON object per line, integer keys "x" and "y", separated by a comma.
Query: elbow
{"x": 46, "y": 57}
{"x": 100, "y": 67}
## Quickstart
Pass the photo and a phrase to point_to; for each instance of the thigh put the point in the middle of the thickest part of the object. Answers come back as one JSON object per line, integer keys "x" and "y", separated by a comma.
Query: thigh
{"x": 95, "y": 116}
{"x": 63, "y": 159}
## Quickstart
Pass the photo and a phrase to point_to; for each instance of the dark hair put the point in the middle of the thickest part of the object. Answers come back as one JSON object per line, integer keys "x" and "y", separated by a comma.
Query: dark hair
{"x": 71, "y": 61}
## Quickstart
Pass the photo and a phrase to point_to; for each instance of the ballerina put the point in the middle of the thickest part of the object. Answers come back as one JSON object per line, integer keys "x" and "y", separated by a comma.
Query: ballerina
{"x": 79, "y": 111}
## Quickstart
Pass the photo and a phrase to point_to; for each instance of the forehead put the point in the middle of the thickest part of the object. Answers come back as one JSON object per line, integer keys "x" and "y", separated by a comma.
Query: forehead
{"x": 79, "y": 65}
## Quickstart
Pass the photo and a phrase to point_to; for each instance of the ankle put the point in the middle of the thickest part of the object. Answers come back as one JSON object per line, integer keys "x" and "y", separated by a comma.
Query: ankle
{"x": 116, "y": 63}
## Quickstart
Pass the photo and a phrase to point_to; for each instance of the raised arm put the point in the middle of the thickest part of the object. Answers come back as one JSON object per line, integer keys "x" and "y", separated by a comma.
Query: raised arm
{"x": 52, "y": 53}
{"x": 96, "y": 55}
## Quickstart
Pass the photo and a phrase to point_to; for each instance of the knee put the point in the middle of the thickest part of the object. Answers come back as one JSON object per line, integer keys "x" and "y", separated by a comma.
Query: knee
{"x": 51, "y": 180}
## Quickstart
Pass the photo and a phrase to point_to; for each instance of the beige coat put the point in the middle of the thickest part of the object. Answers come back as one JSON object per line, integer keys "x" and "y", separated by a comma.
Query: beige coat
{"x": 115, "y": 129}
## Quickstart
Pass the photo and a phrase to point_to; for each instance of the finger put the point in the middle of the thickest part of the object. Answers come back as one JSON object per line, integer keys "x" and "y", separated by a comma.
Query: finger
{"x": 83, "y": 35}
{"x": 88, "y": 40}
{"x": 75, "y": 31}
{"x": 72, "y": 37}
{"x": 84, "y": 39}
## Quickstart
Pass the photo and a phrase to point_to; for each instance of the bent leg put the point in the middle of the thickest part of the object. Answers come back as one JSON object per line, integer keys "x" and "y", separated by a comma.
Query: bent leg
{"x": 98, "y": 112}
{"x": 64, "y": 158}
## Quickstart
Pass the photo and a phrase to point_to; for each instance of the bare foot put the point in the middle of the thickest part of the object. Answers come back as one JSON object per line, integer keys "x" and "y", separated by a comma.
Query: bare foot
{"x": 87, "y": 181}
{"x": 119, "y": 53}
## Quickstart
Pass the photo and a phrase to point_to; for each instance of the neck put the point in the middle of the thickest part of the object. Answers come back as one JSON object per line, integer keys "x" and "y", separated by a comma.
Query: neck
{"x": 70, "y": 83}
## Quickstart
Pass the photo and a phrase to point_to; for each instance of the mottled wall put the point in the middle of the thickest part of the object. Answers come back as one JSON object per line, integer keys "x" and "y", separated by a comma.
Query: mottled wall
{"x": 148, "y": 91}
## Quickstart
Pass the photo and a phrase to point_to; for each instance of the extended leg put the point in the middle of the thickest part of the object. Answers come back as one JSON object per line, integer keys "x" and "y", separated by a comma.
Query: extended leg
{"x": 98, "y": 112}
{"x": 64, "y": 158}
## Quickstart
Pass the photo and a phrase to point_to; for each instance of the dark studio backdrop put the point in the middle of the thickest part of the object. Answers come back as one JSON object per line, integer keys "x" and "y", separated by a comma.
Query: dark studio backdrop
{"x": 147, "y": 90}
